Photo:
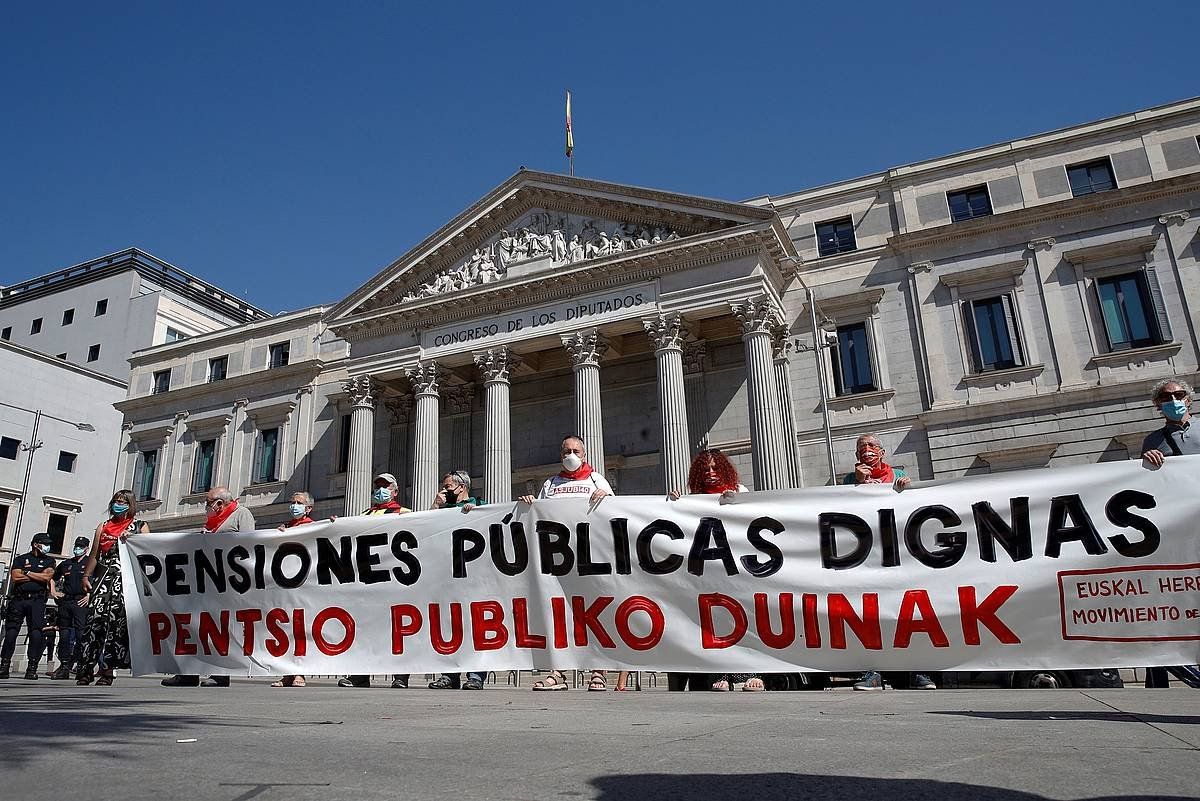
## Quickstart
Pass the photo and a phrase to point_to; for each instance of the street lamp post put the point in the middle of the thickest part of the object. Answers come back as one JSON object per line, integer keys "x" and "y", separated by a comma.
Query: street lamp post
{"x": 822, "y": 338}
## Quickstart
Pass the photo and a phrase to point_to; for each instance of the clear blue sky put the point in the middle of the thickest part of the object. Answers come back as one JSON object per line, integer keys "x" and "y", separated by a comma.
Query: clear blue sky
{"x": 287, "y": 151}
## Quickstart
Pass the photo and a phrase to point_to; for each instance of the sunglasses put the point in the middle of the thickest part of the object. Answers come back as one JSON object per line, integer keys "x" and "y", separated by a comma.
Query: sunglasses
{"x": 1178, "y": 394}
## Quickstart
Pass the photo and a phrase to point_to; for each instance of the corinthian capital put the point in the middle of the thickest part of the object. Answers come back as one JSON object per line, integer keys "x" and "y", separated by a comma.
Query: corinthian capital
{"x": 361, "y": 390}
{"x": 424, "y": 377}
{"x": 781, "y": 341}
{"x": 496, "y": 364}
{"x": 585, "y": 347}
{"x": 666, "y": 330}
{"x": 756, "y": 314}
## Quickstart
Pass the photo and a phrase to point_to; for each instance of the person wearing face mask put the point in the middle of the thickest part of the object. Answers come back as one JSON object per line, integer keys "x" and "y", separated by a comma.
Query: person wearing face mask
{"x": 30, "y": 574}
{"x": 1173, "y": 399}
{"x": 104, "y": 645}
{"x": 222, "y": 514}
{"x": 300, "y": 511}
{"x": 72, "y": 606}
{"x": 575, "y": 479}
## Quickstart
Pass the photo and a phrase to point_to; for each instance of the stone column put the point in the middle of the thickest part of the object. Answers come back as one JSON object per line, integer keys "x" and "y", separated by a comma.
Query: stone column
{"x": 921, "y": 286}
{"x": 361, "y": 390}
{"x": 175, "y": 484}
{"x": 400, "y": 408}
{"x": 586, "y": 348}
{"x": 695, "y": 362}
{"x": 1056, "y": 314}
{"x": 301, "y": 443}
{"x": 234, "y": 477}
{"x": 781, "y": 345}
{"x": 1179, "y": 232}
{"x": 424, "y": 379}
{"x": 667, "y": 332}
{"x": 756, "y": 316}
{"x": 495, "y": 368}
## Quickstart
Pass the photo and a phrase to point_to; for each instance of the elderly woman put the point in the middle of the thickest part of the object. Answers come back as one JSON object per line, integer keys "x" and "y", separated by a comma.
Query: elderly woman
{"x": 104, "y": 645}
{"x": 300, "y": 514}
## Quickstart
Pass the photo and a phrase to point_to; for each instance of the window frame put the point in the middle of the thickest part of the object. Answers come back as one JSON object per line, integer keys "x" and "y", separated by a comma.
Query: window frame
{"x": 224, "y": 362}
{"x": 966, "y": 193}
{"x": 68, "y": 317}
{"x": 93, "y": 354}
{"x": 196, "y": 463}
{"x": 1088, "y": 165}
{"x": 101, "y": 307}
{"x": 155, "y": 389}
{"x": 839, "y": 247}
{"x": 261, "y": 476}
{"x": 35, "y": 327}
{"x": 6, "y": 333}
{"x": 16, "y": 448}
{"x": 1151, "y": 321}
{"x": 1012, "y": 331}
{"x": 72, "y": 461}
{"x": 139, "y": 475}
{"x": 276, "y": 348}
{"x": 838, "y": 368}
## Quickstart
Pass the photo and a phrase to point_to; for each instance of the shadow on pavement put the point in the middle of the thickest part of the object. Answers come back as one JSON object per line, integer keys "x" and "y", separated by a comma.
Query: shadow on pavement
{"x": 1114, "y": 717}
{"x": 801, "y": 787}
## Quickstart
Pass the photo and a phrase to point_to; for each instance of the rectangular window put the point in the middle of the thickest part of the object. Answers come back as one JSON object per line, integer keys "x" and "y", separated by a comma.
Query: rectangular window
{"x": 6, "y": 333}
{"x": 101, "y": 308}
{"x": 35, "y": 327}
{"x": 147, "y": 473}
{"x": 68, "y": 316}
{"x": 162, "y": 381}
{"x": 217, "y": 368}
{"x": 1128, "y": 309}
{"x": 835, "y": 236}
{"x": 344, "y": 444}
{"x": 9, "y": 448}
{"x": 968, "y": 204}
{"x": 1092, "y": 177}
{"x": 66, "y": 461}
{"x": 174, "y": 335}
{"x": 279, "y": 355}
{"x": 206, "y": 460}
{"x": 56, "y": 527}
{"x": 94, "y": 353}
{"x": 852, "y": 364}
{"x": 992, "y": 330}
{"x": 266, "y": 465}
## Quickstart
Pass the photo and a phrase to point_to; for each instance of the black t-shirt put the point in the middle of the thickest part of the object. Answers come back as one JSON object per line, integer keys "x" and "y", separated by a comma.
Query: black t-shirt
{"x": 30, "y": 563}
{"x": 70, "y": 573}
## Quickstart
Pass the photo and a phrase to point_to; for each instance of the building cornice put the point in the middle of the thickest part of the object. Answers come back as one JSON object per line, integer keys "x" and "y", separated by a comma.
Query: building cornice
{"x": 61, "y": 364}
{"x": 307, "y": 369}
{"x": 236, "y": 334}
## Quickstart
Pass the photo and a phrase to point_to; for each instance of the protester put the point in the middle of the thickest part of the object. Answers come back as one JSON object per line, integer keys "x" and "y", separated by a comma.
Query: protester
{"x": 30, "y": 576}
{"x": 576, "y": 478}
{"x": 456, "y": 492}
{"x": 72, "y": 602}
{"x": 1173, "y": 399}
{"x": 105, "y": 642}
{"x": 223, "y": 514}
{"x": 385, "y": 500}
{"x": 49, "y": 631}
{"x": 870, "y": 468}
{"x": 300, "y": 514}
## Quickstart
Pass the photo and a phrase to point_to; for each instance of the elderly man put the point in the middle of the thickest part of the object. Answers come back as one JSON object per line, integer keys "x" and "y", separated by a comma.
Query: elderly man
{"x": 1173, "y": 399}
{"x": 299, "y": 514}
{"x": 222, "y": 514}
{"x": 456, "y": 492}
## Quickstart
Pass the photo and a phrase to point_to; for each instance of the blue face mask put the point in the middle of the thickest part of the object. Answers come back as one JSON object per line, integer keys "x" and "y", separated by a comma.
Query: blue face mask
{"x": 79, "y": 551}
{"x": 381, "y": 495}
{"x": 1174, "y": 410}
{"x": 120, "y": 508}
{"x": 297, "y": 510}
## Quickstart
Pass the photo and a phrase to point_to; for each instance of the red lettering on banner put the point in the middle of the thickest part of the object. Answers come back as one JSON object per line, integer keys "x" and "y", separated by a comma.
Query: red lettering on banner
{"x": 973, "y": 614}
{"x": 406, "y": 621}
{"x": 928, "y": 623}
{"x": 588, "y": 618}
{"x": 787, "y": 620}
{"x": 160, "y": 629}
{"x": 488, "y": 632}
{"x": 277, "y": 642}
{"x": 183, "y": 644}
{"x": 441, "y": 644}
{"x": 521, "y": 623}
{"x": 248, "y": 617}
{"x": 866, "y": 628}
{"x": 812, "y": 628}
{"x": 709, "y": 639}
{"x": 301, "y": 646}
{"x": 318, "y": 635}
{"x": 214, "y": 637}
{"x": 558, "y": 611}
{"x": 658, "y": 622}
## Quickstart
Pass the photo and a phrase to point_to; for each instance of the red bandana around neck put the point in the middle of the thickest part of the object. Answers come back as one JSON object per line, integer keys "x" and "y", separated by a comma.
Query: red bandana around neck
{"x": 583, "y": 472}
{"x": 882, "y": 473}
{"x": 214, "y": 521}
{"x": 715, "y": 489}
{"x": 111, "y": 531}
{"x": 298, "y": 521}
{"x": 392, "y": 504}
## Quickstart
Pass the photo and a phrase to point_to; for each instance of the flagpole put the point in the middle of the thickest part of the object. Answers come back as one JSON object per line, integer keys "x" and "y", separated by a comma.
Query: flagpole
{"x": 570, "y": 139}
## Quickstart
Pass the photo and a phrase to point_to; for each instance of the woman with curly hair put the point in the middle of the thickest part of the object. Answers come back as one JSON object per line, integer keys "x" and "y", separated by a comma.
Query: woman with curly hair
{"x": 105, "y": 641}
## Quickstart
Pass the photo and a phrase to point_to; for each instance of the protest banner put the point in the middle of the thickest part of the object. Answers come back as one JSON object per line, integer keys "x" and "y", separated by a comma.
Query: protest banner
{"x": 1080, "y": 567}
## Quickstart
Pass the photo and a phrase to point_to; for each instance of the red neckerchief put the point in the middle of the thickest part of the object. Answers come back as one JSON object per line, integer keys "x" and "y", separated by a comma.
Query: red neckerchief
{"x": 386, "y": 507}
{"x": 583, "y": 472}
{"x": 299, "y": 521}
{"x": 718, "y": 490}
{"x": 881, "y": 473}
{"x": 111, "y": 530}
{"x": 214, "y": 523}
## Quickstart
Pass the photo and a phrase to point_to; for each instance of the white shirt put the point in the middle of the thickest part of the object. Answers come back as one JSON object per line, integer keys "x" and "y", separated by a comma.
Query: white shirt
{"x": 559, "y": 487}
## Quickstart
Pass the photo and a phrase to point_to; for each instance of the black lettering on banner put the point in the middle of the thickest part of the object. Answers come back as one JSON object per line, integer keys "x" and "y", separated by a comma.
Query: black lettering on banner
{"x": 151, "y": 569}
{"x": 587, "y": 567}
{"x": 403, "y": 544}
{"x": 209, "y": 569}
{"x": 645, "y": 553}
{"x": 554, "y": 548}
{"x": 335, "y": 562}
{"x": 176, "y": 577}
{"x": 1117, "y": 512}
{"x": 1070, "y": 507}
{"x": 466, "y": 545}
{"x": 368, "y": 572}
{"x": 760, "y": 568}
{"x": 520, "y": 547}
{"x": 711, "y": 529}
{"x": 260, "y": 567}
{"x": 620, "y": 532}
{"x": 991, "y": 528}
{"x": 239, "y": 579}
{"x": 951, "y": 544}
{"x": 889, "y": 538}
{"x": 827, "y": 525}
{"x": 285, "y": 550}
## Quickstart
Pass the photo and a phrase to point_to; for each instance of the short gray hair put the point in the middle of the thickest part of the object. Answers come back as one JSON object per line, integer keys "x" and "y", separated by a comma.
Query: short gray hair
{"x": 461, "y": 477}
{"x": 308, "y": 499}
{"x": 222, "y": 494}
{"x": 1159, "y": 386}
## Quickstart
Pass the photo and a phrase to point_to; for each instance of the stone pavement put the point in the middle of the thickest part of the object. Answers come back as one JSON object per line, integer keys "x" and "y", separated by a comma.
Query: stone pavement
{"x": 138, "y": 740}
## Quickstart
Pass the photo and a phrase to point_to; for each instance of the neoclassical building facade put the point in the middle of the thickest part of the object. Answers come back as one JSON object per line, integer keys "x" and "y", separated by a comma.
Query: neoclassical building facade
{"x": 1000, "y": 308}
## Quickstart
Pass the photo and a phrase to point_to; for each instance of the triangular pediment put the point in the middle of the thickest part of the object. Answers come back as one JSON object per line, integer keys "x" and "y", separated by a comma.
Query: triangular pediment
{"x": 538, "y": 224}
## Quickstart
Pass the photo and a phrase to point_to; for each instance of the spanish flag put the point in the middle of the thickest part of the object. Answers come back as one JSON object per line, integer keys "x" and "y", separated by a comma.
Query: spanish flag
{"x": 570, "y": 138}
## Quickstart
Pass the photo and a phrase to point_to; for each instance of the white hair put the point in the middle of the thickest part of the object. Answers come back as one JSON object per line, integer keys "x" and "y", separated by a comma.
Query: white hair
{"x": 1159, "y": 386}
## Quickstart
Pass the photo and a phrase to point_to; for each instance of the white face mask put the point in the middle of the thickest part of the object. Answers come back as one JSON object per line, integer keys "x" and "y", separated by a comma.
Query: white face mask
{"x": 297, "y": 510}
{"x": 572, "y": 462}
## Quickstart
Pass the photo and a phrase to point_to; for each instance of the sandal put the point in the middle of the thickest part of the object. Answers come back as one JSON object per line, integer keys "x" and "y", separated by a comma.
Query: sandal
{"x": 298, "y": 681}
{"x": 598, "y": 683}
{"x": 555, "y": 681}
{"x": 721, "y": 686}
{"x": 754, "y": 685}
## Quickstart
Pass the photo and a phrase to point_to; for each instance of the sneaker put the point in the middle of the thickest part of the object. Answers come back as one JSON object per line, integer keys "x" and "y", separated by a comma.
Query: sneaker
{"x": 215, "y": 681}
{"x": 922, "y": 682}
{"x": 352, "y": 681}
{"x": 181, "y": 681}
{"x": 472, "y": 684}
{"x": 871, "y": 680}
{"x": 443, "y": 683}
{"x": 399, "y": 684}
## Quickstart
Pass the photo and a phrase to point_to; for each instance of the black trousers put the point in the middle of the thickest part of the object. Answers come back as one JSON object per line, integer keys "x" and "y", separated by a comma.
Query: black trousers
{"x": 71, "y": 619}
{"x": 30, "y": 610}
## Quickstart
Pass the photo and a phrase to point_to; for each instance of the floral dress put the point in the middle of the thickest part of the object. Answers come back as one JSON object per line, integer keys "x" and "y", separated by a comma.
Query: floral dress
{"x": 105, "y": 641}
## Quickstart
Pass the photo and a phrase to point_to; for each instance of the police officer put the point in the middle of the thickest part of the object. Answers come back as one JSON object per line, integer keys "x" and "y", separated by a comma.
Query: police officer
{"x": 31, "y": 575}
{"x": 72, "y": 601}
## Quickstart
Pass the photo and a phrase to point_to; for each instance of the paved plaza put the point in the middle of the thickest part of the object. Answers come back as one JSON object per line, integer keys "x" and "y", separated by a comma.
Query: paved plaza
{"x": 139, "y": 740}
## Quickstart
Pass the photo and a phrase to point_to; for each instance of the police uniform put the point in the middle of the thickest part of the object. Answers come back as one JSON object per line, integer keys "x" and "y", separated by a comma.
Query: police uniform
{"x": 71, "y": 616}
{"x": 27, "y": 604}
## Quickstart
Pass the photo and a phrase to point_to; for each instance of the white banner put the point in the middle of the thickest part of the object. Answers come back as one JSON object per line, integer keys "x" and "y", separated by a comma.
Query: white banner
{"x": 1081, "y": 567}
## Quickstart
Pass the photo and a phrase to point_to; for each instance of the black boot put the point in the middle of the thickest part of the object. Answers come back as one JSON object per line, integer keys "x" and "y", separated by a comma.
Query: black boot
{"x": 62, "y": 674}
{"x": 31, "y": 672}
{"x": 4, "y": 666}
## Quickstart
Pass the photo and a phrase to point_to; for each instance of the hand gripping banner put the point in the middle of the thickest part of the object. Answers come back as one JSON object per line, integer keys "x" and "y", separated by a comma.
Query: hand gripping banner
{"x": 1080, "y": 567}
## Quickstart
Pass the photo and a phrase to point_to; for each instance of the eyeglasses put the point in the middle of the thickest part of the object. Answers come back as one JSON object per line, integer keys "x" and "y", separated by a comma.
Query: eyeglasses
{"x": 1163, "y": 397}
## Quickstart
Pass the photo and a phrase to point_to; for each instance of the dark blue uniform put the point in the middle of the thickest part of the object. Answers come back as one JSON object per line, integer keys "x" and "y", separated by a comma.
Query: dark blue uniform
{"x": 26, "y": 604}
{"x": 71, "y": 616}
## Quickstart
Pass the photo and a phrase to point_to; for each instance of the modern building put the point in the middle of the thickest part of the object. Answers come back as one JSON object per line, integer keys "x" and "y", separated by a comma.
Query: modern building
{"x": 999, "y": 308}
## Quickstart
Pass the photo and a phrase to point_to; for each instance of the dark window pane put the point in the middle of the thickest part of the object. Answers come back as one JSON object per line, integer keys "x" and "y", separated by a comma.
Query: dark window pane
{"x": 202, "y": 476}
{"x": 101, "y": 308}
{"x": 93, "y": 353}
{"x": 1094, "y": 176}
{"x": 162, "y": 381}
{"x": 6, "y": 333}
{"x": 267, "y": 448}
{"x": 36, "y": 326}
{"x": 145, "y": 487}
{"x": 836, "y": 236}
{"x": 852, "y": 365}
{"x": 1126, "y": 309}
{"x": 66, "y": 461}
{"x": 217, "y": 368}
{"x": 68, "y": 317}
{"x": 279, "y": 354}
{"x": 992, "y": 337}
{"x": 56, "y": 527}
{"x": 969, "y": 204}
{"x": 9, "y": 447}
